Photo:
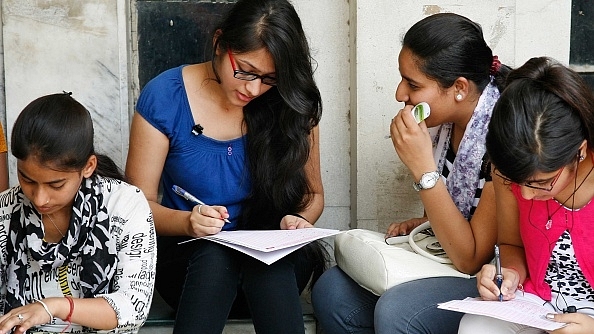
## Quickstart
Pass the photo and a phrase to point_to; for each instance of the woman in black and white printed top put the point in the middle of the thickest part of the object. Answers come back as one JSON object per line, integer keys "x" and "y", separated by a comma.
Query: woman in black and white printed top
{"x": 77, "y": 244}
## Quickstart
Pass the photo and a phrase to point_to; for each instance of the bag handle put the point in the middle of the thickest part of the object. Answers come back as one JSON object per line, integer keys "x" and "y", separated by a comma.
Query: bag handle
{"x": 419, "y": 250}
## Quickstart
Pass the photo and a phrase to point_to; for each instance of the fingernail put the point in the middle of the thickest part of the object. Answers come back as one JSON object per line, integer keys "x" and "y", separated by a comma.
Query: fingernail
{"x": 550, "y": 316}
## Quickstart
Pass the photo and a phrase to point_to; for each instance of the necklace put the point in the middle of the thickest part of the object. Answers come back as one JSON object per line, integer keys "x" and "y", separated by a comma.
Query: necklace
{"x": 550, "y": 215}
{"x": 56, "y": 226}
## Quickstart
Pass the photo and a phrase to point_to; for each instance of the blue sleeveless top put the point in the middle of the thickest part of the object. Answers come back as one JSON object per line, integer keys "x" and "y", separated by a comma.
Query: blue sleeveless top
{"x": 213, "y": 171}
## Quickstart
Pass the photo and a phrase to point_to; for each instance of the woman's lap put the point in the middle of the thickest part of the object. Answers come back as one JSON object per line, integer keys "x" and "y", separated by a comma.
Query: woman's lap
{"x": 218, "y": 277}
{"x": 412, "y": 307}
{"x": 341, "y": 305}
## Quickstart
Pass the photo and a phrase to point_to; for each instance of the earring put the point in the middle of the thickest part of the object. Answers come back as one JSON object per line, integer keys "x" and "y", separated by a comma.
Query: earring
{"x": 459, "y": 97}
{"x": 582, "y": 158}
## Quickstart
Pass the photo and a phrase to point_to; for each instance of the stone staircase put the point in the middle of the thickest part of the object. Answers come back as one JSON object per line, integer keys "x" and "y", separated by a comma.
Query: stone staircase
{"x": 161, "y": 317}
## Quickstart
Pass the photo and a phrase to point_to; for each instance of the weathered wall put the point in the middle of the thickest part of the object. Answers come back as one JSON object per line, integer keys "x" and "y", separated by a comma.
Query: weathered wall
{"x": 90, "y": 47}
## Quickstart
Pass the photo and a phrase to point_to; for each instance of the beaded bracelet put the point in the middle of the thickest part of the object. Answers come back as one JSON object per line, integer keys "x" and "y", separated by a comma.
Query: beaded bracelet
{"x": 45, "y": 308}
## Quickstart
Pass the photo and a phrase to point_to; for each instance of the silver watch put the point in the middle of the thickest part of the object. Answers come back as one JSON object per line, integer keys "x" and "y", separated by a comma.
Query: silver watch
{"x": 428, "y": 180}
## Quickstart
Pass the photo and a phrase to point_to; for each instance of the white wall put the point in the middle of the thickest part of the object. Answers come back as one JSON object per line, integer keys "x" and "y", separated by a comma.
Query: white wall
{"x": 515, "y": 30}
{"x": 84, "y": 46}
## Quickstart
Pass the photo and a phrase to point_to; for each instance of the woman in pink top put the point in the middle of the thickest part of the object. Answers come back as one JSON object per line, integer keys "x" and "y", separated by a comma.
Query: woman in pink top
{"x": 540, "y": 142}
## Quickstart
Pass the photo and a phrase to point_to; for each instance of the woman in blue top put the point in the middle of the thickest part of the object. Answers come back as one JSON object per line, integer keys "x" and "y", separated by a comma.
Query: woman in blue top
{"x": 238, "y": 132}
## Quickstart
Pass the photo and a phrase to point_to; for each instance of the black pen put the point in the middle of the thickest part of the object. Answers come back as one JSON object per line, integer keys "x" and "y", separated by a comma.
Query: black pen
{"x": 498, "y": 274}
{"x": 183, "y": 193}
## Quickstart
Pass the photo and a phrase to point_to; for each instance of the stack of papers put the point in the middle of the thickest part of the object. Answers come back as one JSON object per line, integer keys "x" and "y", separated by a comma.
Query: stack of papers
{"x": 521, "y": 310}
{"x": 270, "y": 245}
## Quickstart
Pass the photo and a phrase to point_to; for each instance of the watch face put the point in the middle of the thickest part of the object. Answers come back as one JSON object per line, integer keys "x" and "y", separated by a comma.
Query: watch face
{"x": 428, "y": 180}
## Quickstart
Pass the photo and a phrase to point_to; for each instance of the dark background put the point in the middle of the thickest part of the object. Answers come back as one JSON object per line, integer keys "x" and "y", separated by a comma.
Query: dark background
{"x": 582, "y": 36}
{"x": 162, "y": 45}
{"x": 172, "y": 33}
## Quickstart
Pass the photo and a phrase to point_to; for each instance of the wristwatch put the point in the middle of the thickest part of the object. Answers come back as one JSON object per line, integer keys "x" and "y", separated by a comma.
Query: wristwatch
{"x": 428, "y": 180}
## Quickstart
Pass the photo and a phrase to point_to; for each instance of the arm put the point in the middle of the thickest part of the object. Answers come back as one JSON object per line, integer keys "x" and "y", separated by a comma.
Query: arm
{"x": 146, "y": 158}
{"x": 3, "y": 171}
{"x": 3, "y": 161}
{"x": 132, "y": 282}
{"x": 513, "y": 260}
{"x": 312, "y": 168}
{"x": 92, "y": 312}
{"x": 468, "y": 244}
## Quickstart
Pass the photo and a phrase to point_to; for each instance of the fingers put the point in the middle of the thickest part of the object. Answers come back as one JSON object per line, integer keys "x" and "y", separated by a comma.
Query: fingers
{"x": 207, "y": 220}
{"x": 404, "y": 228}
{"x": 485, "y": 284}
{"x": 215, "y": 211}
{"x": 290, "y": 222}
{"x": 396, "y": 229}
{"x": 19, "y": 321}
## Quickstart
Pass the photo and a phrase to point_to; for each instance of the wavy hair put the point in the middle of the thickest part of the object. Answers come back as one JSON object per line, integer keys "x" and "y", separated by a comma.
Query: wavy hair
{"x": 449, "y": 46}
{"x": 58, "y": 130}
{"x": 540, "y": 120}
{"x": 280, "y": 121}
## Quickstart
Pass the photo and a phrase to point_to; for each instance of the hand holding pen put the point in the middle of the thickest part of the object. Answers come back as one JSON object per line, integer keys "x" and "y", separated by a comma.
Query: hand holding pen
{"x": 183, "y": 193}
{"x": 498, "y": 274}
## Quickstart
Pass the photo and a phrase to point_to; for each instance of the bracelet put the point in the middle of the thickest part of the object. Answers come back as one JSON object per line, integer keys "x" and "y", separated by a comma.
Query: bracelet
{"x": 69, "y": 317}
{"x": 298, "y": 215}
{"x": 45, "y": 308}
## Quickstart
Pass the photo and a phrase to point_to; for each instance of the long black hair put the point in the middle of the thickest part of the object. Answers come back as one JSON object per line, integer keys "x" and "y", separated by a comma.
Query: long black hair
{"x": 58, "y": 130}
{"x": 540, "y": 120}
{"x": 280, "y": 121}
{"x": 448, "y": 46}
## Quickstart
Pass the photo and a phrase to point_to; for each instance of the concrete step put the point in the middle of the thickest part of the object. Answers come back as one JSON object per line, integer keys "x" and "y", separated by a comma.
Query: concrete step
{"x": 161, "y": 318}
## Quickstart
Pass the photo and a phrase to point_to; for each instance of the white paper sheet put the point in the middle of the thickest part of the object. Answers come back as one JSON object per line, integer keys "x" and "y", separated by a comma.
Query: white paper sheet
{"x": 520, "y": 310}
{"x": 270, "y": 245}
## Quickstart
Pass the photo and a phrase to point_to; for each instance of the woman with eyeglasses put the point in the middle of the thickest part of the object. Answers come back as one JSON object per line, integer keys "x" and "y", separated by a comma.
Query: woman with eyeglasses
{"x": 540, "y": 141}
{"x": 445, "y": 62}
{"x": 240, "y": 133}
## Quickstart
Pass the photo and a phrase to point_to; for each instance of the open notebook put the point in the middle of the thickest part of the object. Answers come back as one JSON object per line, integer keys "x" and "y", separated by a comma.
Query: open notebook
{"x": 270, "y": 245}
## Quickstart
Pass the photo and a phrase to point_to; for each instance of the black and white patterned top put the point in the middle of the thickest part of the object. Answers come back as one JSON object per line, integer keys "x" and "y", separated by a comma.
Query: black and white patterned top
{"x": 564, "y": 274}
{"x": 124, "y": 233}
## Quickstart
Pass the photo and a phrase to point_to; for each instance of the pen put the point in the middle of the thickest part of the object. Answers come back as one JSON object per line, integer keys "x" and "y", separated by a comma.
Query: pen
{"x": 498, "y": 275}
{"x": 180, "y": 191}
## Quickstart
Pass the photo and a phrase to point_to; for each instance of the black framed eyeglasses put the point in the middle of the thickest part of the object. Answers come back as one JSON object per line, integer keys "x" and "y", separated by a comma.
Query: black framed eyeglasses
{"x": 530, "y": 184}
{"x": 249, "y": 76}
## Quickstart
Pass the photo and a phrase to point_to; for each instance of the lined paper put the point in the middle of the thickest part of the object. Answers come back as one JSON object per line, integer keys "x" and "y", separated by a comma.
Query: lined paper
{"x": 521, "y": 310}
{"x": 269, "y": 246}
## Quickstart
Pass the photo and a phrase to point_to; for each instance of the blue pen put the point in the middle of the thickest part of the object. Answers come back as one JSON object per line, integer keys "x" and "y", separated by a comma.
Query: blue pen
{"x": 180, "y": 191}
{"x": 498, "y": 274}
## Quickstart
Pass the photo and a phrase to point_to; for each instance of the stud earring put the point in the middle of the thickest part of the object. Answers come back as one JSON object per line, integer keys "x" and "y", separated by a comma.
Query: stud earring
{"x": 582, "y": 158}
{"x": 459, "y": 97}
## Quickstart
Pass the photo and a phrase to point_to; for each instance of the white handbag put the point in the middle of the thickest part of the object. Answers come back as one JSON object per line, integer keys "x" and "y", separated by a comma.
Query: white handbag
{"x": 376, "y": 266}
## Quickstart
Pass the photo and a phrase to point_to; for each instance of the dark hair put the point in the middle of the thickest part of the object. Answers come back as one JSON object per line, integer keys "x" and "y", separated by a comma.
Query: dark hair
{"x": 449, "y": 46}
{"x": 280, "y": 121}
{"x": 57, "y": 129}
{"x": 540, "y": 120}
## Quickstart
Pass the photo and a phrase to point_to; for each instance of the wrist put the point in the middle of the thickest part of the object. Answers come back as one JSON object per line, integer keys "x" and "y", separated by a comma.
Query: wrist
{"x": 298, "y": 215}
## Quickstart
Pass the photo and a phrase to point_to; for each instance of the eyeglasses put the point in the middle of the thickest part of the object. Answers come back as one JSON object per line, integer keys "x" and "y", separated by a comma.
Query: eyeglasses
{"x": 248, "y": 76}
{"x": 530, "y": 184}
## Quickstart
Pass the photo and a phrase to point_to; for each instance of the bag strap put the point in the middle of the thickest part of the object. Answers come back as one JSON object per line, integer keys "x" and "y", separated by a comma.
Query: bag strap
{"x": 419, "y": 250}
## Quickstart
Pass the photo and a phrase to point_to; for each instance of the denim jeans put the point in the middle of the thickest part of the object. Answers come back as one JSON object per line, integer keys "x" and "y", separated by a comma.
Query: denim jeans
{"x": 205, "y": 280}
{"x": 342, "y": 306}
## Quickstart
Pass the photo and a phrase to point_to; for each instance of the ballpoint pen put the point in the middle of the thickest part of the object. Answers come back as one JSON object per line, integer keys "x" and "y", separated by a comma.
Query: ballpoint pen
{"x": 498, "y": 274}
{"x": 180, "y": 191}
